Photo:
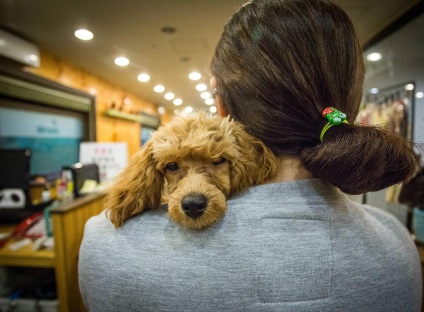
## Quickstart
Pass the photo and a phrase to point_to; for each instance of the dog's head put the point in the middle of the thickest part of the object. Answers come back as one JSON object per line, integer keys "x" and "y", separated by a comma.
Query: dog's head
{"x": 197, "y": 161}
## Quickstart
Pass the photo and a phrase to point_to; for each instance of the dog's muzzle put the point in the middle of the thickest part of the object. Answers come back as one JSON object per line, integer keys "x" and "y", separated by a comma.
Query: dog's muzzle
{"x": 194, "y": 205}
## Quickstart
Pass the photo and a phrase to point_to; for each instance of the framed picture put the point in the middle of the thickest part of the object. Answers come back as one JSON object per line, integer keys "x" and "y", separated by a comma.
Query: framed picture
{"x": 390, "y": 108}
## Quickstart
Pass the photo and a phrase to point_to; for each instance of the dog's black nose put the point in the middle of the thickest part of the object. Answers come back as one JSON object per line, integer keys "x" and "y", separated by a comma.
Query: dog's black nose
{"x": 194, "y": 205}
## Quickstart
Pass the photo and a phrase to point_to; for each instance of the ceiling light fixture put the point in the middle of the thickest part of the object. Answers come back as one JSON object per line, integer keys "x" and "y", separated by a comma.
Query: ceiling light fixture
{"x": 122, "y": 61}
{"x": 159, "y": 88}
{"x": 419, "y": 95}
{"x": 83, "y": 34}
{"x": 188, "y": 109}
{"x": 169, "y": 96}
{"x": 209, "y": 101}
{"x": 205, "y": 95}
{"x": 178, "y": 102}
{"x": 373, "y": 57}
{"x": 127, "y": 101}
{"x": 409, "y": 87}
{"x": 194, "y": 76}
{"x": 143, "y": 77}
{"x": 161, "y": 110}
{"x": 212, "y": 109}
{"x": 374, "y": 90}
{"x": 201, "y": 87}
{"x": 92, "y": 91}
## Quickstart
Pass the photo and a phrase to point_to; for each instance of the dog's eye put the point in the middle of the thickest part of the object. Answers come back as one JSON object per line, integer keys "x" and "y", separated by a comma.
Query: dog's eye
{"x": 171, "y": 166}
{"x": 219, "y": 161}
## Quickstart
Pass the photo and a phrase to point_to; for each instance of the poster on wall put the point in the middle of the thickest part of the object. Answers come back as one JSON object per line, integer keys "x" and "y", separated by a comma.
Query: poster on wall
{"x": 390, "y": 108}
{"x": 110, "y": 157}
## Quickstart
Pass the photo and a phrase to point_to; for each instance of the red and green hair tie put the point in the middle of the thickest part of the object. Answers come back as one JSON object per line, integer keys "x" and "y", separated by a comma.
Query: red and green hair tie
{"x": 334, "y": 118}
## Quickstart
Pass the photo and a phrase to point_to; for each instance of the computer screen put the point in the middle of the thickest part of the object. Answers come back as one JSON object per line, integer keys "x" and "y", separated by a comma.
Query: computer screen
{"x": 52, "y": 138}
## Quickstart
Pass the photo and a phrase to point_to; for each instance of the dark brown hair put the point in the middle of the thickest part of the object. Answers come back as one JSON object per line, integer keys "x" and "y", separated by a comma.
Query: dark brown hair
{"x": 278, "y": 64}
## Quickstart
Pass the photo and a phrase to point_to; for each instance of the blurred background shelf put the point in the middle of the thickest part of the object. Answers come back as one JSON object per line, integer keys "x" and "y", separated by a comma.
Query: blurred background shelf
{"x": 142, "y": 118}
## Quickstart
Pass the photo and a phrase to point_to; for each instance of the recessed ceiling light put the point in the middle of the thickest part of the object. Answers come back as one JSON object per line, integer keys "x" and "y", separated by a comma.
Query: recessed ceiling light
{"x": 159, "y": 88}
{"x": 194, "y": 76}
{"x": 419, "y": 95}
{"x": 188, "y": 109}
{"x": 92, "y": 91}
{"x": 161, "y": 110}
{"x": 205, "y": 95}
{"x": 83, "y": 34}
{"x": 143, "y": 77}
{"x": 409, "y": 87}
{"x": 373, "y": 57}
{"x": 374, "y": 90}
{"x": 209, "y": 101}
{"x": 169, "y": 96}
{"x": 201, "y": 87}
{"x": 127, "y": 101}
{"x": 178, "y": 102}
{"x": 122, "y": 61}
{"x": 212, "y": 109}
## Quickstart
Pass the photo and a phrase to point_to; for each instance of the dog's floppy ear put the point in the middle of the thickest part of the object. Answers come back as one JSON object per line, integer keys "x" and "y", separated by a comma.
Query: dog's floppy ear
{"x": 137, "y": 188}
{"x": 255, "y": 164}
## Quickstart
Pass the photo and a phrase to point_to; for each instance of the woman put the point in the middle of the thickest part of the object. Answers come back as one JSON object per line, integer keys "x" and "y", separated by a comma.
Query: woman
{"x": 296, "y": 243}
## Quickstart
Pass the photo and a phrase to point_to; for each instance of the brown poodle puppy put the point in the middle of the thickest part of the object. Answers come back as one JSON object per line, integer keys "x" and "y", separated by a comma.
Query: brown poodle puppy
{"x": 195, "y": 161}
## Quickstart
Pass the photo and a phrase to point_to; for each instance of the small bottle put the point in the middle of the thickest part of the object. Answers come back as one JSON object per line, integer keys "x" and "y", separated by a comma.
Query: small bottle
{"x": 69, "y": 184}
{"x": 61, "y": 190}
{"x": 46, "y": 194}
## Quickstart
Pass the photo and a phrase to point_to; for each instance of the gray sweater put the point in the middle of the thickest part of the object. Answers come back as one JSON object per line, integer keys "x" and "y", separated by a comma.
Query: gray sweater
{"x": 292, "y": 246}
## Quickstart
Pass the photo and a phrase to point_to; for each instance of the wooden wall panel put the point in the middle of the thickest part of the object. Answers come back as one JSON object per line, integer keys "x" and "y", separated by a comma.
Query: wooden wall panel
{"x": 108, "y": 129}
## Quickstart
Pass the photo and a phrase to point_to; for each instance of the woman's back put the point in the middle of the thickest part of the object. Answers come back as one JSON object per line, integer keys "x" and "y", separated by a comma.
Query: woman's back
{"x": 293, "y": 246}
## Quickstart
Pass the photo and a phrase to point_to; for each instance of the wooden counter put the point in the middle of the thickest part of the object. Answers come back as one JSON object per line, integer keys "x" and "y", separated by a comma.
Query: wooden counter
{"x": 27, "y": 257}
{"x": 68, "y": 225}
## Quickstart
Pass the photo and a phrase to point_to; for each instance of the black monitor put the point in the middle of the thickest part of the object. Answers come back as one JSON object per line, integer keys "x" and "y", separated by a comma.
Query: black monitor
{"x": 14, "y": 168}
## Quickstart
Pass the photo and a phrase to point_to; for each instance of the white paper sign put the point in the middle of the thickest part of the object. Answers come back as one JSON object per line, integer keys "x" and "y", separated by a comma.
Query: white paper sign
{"x": 110, "y": 157}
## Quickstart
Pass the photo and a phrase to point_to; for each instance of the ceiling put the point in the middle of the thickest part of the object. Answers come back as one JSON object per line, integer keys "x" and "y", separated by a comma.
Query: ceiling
{"x": 132, "y": 28}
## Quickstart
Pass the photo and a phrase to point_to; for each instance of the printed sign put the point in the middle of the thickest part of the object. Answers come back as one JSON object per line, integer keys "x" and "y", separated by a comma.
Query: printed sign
{"x": 110, "y": 157}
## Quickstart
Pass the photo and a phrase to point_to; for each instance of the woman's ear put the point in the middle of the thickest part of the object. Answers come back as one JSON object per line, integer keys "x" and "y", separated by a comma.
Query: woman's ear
{"x": 138, "y": 187}
{"x": 222, "y": 111}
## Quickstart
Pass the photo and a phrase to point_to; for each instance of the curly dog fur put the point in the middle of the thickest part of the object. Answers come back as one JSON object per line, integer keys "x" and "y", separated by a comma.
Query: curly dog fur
{"x": 197, "y": 162}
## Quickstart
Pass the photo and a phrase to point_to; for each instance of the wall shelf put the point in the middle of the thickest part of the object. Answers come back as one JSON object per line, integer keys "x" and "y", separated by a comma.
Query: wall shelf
{"x": 143, "y": 118}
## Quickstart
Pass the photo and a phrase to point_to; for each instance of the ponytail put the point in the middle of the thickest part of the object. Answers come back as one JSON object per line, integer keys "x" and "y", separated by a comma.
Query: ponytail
{"x": 359, "y": 159}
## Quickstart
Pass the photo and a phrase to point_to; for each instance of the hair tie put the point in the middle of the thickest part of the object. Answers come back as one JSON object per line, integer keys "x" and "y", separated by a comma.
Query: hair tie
{"x": 334, "y": 118}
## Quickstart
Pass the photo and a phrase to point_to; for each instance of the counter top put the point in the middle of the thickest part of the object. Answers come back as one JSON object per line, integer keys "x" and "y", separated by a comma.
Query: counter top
{"x": 79, "y": 201}
{"x": 26, "y": 256}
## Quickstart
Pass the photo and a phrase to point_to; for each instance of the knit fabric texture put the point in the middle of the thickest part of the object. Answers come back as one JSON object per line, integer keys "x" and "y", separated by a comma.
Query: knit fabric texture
{"x": 292, "y": 246}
